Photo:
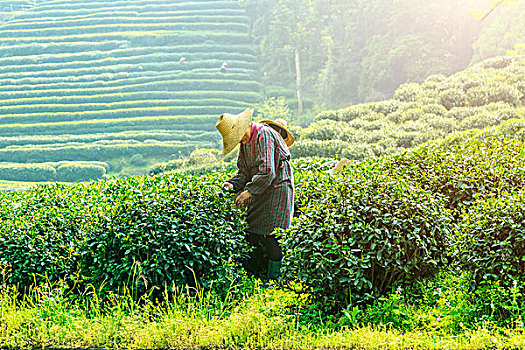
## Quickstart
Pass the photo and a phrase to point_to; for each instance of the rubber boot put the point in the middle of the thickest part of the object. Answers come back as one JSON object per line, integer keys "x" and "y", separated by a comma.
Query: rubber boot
{"x": 274, "y": 270}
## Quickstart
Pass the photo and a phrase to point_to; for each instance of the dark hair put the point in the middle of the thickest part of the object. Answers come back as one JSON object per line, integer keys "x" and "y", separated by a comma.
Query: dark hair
{"x": 280, "y": 130}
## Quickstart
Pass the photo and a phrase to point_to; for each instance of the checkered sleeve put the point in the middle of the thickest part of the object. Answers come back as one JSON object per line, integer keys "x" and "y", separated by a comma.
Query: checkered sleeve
{"x": 242, "y": 177}
{"x": 265, "y": 158}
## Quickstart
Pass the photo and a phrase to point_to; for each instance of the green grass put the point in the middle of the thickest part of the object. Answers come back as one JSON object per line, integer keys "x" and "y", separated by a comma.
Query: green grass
{"x": 252, "y": 318}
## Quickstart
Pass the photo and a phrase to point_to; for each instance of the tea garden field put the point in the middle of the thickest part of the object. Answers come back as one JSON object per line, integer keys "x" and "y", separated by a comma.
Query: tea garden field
{"x": 104, "y": 82}
{"x": 418, "y": 243}
{"x": 418, "y": 250}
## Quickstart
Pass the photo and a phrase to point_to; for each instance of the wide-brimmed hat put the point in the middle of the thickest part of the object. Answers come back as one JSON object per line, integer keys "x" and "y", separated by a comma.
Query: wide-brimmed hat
{"x": 232, "y": 128}
{"x": 289, "y": 139}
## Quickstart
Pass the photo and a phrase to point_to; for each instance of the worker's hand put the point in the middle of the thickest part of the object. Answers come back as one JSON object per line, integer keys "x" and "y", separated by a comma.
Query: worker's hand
{"x": 227, "y": 185}
{"x": 243, "y": 199}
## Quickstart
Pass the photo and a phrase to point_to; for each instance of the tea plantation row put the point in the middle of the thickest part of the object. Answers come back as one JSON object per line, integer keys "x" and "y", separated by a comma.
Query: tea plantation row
{"x": 105, "y": 67}
{"x": 486, "y": 94}
{"x": 402, "y": 217}
{"x": 356, "y": 234}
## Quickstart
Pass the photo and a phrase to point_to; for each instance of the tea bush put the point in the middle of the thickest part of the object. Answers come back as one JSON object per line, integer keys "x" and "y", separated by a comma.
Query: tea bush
{"x": 362, "y": 231}
{"x": 491, "y": 238}
{"x": 27, "y": 172}
{"x": 312, "y": 164}
{"x": 201, "y": 161}
{"x": 360, "y": 151}
{"x": 72, "y": 172}
{"x": 430, "y": 134}
{"x": 497, "y": 62}
{"x": 459, "y": 114}
{"x": 141, "y": 232}
{"x": 173, "y": 164}
{"x": 328, "y": 114}
{"x": 324, "y": 130}
{"x": 355, "y": 228}
{"x": 41, "y": 235}
{"x": 319, "y": 148}
{"x": 453, "y": 97}
{"x": 204, "y": 155}
{"x": 482, "y": 95}
{"x": 172, "y": 224}
{"x": 439, "y": 122}
{"x": 434, "y": 108}
{"x": 479, "y": 121}
{"x": 137, "y": 159}
{"x": 407, "y": 92}
{"x": 385, "y": 107}
{"x": 352, "y": 112}
{"x": 465, "y": 171}
{"x": 478, "y": 97}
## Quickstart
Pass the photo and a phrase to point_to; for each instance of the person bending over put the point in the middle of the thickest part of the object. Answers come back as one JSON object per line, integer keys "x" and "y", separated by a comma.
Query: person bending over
{"x": 264, "y": 179}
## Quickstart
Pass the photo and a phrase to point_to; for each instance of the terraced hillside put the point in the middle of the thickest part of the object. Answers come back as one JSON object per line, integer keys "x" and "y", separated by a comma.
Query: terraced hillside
{"x": 119, "y": 81}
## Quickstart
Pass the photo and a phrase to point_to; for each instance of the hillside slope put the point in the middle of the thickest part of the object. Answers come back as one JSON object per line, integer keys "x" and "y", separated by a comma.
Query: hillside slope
{"x": 104, "y": 80}
{"x": 483, "y": 95}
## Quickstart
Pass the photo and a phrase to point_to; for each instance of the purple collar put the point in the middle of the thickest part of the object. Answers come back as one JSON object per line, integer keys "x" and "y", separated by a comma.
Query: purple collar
{"x": 255, "y": 129}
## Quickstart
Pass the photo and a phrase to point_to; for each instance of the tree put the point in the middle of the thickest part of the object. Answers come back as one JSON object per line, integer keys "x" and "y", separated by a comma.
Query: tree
{"x": 503, "y": 31}
{"x": 334, "y": 53}
{"x": 410, "y": 42}
{"x": 482, "y": 15}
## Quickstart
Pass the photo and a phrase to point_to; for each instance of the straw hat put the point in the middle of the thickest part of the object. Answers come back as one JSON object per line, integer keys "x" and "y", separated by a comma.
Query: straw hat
{"x": 232, "y": 128}
{"x": 339, "y": 166}
{"x": 289, "y": 139}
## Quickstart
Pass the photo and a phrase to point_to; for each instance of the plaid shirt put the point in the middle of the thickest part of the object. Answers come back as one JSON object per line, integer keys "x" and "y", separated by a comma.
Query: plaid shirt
{"x": 265, "y": 172}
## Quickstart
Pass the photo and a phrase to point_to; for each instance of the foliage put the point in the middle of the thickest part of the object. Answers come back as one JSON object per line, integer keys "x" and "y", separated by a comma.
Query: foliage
{"x": 312, "y": 164}
{"x": 250, "y": 317}
{"x": 345, "y": 222}
{"x": 507, "y": 26}
{"x": 361, "y": 232}
{"x": 94, "y": 151}
{"x": 463, "y": 172}
{"x": 200, "y": 161}
{"x": 273, "y": 108}
{"x": 407, "y": 92}
{"x": 155, "y": 232}
{"x": 49, "y": 171}
{"x": 356, "y": 235}
{"x": 491, "y": 238}
{"x": 479, "y": 121}
{"x": 72, "y": 172}
{"x": 486, "y": 94}
{"x": 27, "y": 172}
{"x": 500, "y": 301}
{"x": 445, "y": 303}
{"x": 331, "y": 148}
{"x": 116, "y": 71}
{"x": 137, "y": 159}
{"x": 452, "y": 97}
{"x": 483, "y": 95}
